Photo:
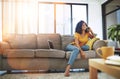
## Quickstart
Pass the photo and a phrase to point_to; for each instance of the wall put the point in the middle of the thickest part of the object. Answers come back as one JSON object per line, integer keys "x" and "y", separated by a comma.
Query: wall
{"x": 111, "y": 19}
{"x": 95, "y": 18}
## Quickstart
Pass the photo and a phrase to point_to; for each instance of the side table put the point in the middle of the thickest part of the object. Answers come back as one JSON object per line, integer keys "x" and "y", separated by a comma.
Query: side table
{"x": 99, "y": 64}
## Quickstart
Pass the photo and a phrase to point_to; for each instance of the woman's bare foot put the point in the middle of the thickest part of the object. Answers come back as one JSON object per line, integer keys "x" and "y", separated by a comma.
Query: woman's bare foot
{"x": 67, "y": 71}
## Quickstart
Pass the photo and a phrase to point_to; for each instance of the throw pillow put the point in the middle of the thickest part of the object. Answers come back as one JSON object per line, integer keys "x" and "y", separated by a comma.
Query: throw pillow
{"x": 91, "y": 42}
{"x": 50, "y": 44}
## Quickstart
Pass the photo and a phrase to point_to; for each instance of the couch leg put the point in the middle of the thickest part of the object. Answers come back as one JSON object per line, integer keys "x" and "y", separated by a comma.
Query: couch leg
{"x": 86, "y": 70}
{"x": 8, "y": 71}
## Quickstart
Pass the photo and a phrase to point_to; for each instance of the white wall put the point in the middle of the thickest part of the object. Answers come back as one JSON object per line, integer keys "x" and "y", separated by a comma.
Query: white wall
{"x": 95, "y": 18}
{"x": 94, "y": 13}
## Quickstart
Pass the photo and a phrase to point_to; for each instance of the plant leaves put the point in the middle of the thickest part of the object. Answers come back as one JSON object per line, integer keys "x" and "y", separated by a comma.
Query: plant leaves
{"x": 114, "y": 32}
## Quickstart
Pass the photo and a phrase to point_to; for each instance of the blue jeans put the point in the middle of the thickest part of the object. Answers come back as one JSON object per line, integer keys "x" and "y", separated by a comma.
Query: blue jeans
{"x": 75, "y": 51}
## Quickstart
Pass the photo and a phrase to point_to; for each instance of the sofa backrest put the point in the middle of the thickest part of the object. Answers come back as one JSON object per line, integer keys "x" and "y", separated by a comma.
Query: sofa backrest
{"x": 66, "y": 39}
{"x": 37, "y": 41}
{"x": 42, "y": 41}
{"x": 23, "y": 41}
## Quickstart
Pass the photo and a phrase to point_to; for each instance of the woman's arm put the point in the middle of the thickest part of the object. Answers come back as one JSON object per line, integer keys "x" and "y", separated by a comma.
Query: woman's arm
{"x": 91, "y": 34}
{"x": 77, "y": 43}
{"x": 82, "y": 53}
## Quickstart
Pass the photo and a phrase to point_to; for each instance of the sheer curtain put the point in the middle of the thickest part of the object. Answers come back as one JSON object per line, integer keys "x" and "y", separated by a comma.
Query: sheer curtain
{"x": 0, "y": 20}
{"x": 19, "y": 16}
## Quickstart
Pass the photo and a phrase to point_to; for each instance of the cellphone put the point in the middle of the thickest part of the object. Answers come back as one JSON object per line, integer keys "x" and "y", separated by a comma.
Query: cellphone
{"x": 87, "y": 29}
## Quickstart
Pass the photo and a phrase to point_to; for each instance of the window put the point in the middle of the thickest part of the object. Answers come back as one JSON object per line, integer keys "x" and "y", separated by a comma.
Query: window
{"x": 61, "y": 18}
{"x": 46, "y": 18}
{"x": 79, "y": 13}
{"x": 110, "y": 15}
{"x": 23, "y": 17}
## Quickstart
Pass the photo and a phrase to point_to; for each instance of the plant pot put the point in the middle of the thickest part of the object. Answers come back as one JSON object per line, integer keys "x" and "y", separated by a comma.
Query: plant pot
{"x": 115, "y": 44}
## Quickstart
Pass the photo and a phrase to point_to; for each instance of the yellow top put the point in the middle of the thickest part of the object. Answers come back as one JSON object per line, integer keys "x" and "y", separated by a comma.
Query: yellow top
{"x": 82, "y": 40}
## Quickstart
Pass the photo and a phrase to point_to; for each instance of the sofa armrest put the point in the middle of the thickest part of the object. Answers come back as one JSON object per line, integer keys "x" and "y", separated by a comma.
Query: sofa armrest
{"x": 98, "y": 44}
{"x": 3, "y": 46}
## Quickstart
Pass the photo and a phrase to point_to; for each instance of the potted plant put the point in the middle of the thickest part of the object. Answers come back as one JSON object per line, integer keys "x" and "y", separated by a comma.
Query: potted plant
{"x": 114, "y": 33}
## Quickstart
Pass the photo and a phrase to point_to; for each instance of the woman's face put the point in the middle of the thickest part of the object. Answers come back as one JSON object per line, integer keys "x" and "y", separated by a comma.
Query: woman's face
{"x": 84, "y": 26}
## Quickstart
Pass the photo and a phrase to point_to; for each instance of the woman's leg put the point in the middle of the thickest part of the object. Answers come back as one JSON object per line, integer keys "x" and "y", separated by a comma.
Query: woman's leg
{"x": 74, "y": 54}
{"x": 75, "y": 51}
{"x": 67, "y": 70}
{"x": 84, "y": 48}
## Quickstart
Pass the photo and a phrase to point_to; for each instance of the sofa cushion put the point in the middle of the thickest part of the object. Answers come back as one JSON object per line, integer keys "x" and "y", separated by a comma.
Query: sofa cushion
{"x": 49, "y": 53}
{"x": 23, "y": 41}
{"x": 42, "y": 41}
{"x": 89, "y": 54}
{"x": 18, "y": 53}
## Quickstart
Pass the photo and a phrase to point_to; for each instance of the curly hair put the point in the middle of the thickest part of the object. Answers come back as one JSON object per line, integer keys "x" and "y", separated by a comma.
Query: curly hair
{"x": 78, "y": 28}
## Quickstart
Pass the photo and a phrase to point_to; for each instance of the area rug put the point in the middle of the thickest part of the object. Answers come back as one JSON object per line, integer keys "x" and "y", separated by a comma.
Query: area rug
{"x": 75, "y": 75}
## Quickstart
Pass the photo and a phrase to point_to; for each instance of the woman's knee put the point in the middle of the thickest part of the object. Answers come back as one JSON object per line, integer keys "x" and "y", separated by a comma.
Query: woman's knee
{"x": 85, "y": 48}
{"x": 76, "y": 50}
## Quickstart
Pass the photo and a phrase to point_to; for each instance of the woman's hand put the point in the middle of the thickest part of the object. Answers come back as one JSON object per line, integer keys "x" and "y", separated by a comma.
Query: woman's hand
{"x": 91, "y": 32}
{"x": 77, "y": 42}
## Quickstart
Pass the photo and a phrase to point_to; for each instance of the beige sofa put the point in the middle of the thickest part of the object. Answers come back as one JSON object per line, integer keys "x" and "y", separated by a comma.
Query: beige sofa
{"x": 31, "y": 52}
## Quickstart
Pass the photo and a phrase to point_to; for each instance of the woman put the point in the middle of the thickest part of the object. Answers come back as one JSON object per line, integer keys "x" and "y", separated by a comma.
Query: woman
{"x": 81, "y": 36}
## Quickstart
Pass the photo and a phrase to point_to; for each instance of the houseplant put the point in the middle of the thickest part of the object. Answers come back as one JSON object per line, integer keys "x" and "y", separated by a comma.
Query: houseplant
{"x": 114, "y": 33}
